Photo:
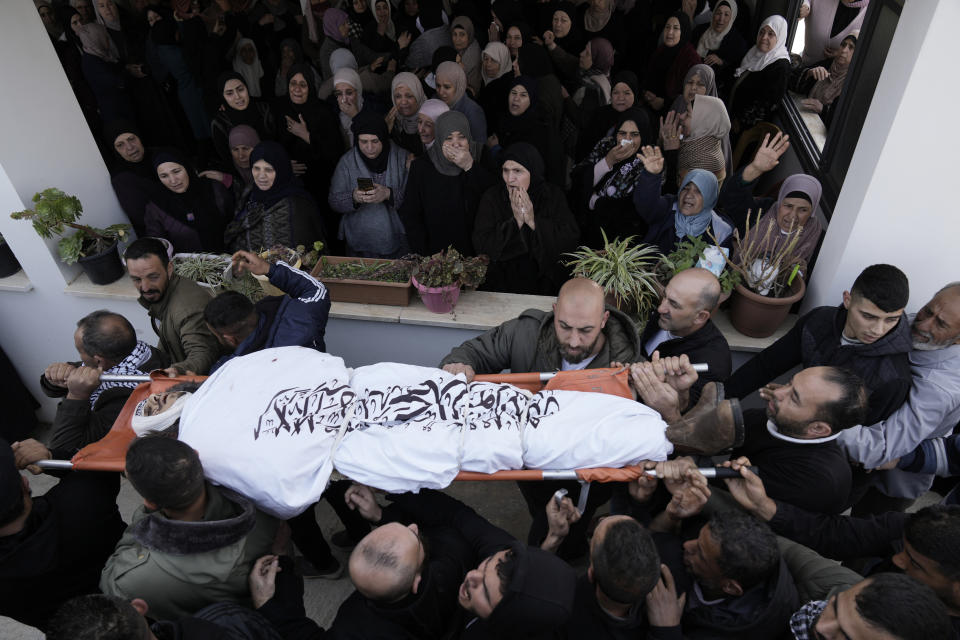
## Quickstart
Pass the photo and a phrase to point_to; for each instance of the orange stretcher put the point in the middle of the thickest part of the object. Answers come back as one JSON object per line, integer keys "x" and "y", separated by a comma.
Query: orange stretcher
{"x": 108, "y": 453}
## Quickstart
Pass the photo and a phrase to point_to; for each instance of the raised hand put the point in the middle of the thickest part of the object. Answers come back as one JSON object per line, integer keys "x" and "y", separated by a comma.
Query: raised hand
{"x": 670, "y": 131}
{"x": 360, "y": 498}
{"x": 652, "y": 159}
{"x": 748, "y": 490}
{"x": 768, "y": 156}
{"x": 403, "y": 40}
{"x": 664, "y": 608}
{"x": 390, "y": 118}
{"x": 262, "y": 580}
{"x": 248, "y": 261}
{"x": 549, "y": 40}
{"x": 689, "y": 500}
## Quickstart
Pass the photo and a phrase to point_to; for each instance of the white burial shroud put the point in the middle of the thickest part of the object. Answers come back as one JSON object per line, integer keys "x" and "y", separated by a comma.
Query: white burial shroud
{"x": 274, "y": 424}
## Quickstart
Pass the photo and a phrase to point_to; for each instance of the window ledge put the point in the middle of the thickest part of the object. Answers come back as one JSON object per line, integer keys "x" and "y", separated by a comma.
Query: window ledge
{"x": 122, "y": 289}
{"x": 18, "y": 282}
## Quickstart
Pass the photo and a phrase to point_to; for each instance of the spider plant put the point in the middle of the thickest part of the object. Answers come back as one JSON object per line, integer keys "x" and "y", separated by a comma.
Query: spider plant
{"x": 626, "y": 270}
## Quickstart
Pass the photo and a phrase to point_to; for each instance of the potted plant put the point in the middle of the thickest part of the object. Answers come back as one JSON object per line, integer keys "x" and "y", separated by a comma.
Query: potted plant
{"x": 365, "y": 280}
{"x": 438, "y": 278}
{"x": 690, "y": 253}
{"x": 8, "y": 262}
{"x": 95, "y": 249}
{"x": 212, "y": 272}
{"x": 771, "y": 280}
{"x": 626, "y": 271}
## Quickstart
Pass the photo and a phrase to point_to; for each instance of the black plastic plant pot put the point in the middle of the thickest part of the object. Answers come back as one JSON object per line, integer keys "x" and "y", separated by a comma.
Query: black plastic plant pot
{"x": 8, "y": 262}
{"x": 103, "y": 268}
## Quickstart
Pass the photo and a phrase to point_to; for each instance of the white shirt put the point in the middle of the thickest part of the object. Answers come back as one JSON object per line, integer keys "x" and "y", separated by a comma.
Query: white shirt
{"x": 583, "y": 364}
{"x": 659, "y": 338}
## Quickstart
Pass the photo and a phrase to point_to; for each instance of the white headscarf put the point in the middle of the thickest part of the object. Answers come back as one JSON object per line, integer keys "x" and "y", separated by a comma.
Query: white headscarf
{"x": 352, "y": 78}
{"x": 251, "y": 72}
{"x": 391, "y": 30}
{"x": 755, "y": 60}
{"x": 499, "y": 52}
{"x": 710, "y": 40}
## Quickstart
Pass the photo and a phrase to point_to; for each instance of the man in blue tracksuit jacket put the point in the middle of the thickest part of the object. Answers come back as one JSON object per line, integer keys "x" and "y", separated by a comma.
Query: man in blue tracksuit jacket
{"x": 296, "y": 319}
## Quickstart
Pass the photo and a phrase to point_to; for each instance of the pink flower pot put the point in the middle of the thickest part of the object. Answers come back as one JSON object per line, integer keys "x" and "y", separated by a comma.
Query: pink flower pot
{"x": 438, "y": 299}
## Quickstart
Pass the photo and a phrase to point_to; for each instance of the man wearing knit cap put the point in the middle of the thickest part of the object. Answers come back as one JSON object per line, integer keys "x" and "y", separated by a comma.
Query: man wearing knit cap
{"x": 53, "y": 547}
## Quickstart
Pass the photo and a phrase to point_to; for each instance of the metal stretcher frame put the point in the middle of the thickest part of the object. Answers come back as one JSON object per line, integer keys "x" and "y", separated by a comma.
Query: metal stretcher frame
{"x": 108, "y": 453}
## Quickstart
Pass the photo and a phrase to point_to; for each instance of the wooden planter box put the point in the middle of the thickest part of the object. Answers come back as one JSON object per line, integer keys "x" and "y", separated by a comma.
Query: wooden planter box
{"x": 363, "y": 291}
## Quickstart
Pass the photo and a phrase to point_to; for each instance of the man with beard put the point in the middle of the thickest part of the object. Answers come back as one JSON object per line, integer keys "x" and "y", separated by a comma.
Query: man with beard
{"x": 175, "y": 306}
{"x": 932, "y": 408}
{"x": 582, "y": 332}
{"x": 794, "y": 440}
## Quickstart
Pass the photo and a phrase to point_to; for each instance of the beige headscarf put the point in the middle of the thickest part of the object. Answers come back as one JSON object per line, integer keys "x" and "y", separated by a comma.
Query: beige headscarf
{"x": 828, "y": 89}
{"x": 499, "y": 52}
{"x": 410, "y": 81}
{"x": 711, "y": 40}
{"x": 702, "y": 148}
{"x": 594, "y": 21}
{"x": 453, "y": 72}
{"x": 96, "y": 41}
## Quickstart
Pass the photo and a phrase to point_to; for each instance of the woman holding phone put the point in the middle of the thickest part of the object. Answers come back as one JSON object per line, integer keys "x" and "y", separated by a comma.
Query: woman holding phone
{"x": 367, "y": 190}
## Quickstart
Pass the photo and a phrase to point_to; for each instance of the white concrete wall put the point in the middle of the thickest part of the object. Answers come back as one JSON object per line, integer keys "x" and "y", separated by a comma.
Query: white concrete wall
{"x": 898, "y": 202}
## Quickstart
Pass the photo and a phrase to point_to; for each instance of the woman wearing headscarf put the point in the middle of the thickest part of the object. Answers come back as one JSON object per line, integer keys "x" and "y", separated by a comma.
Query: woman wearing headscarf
{"x": 672, "y": 219}
{"x": 277, "y": 209}
{"x": 823, "y": 82}
{"x": 373, "y": 82}
{"x": 243, "y": 139}
{"x": 705, "y": 128}
{"x": 191, "y": 211}
{"x": 496, "y": 69}
{"x": 565, "y": 30}
{"x": 444, "y": 189}
{"x": 761, "y": 79}
{"x": 407, "y": 96}
{"x": 468, "y": 51}
{"x": 291, "y": 53}
{"x": 521, "y": 121}
{"x": 827, "y": 23}
{"x": 624, "y": 94}
{"x": 336, "y": 29}
{"x": 309, "y": 131}
{"x": 103, "y": 72}
{"x": 719, "y": 43}
{"x": 525, "y": 226}
{"x": 669, "y": 64}
{"x": 370, "y": 226}
{"x": 348, "y": 91}
{"x": 793, "y": 212}
{"x": 238, "y": 107}
{"x": 605, "y": 179}
{"x": 246, "y": 62}
{"x": 427, "y": 117}
{"x": 601, "y": 19}
{"x": 452, "y": 89}
{"x": 379, "y": 32}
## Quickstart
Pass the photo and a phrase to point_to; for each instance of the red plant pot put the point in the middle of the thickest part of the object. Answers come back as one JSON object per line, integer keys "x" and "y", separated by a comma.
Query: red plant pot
{"x": 438, "y": 299}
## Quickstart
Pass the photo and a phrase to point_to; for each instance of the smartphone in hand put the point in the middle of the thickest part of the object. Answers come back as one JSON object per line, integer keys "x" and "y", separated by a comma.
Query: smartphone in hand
{"x": 365, "y": 184}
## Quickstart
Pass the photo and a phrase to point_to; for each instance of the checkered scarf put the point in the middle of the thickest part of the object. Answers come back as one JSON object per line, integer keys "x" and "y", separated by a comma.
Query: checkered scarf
{"x": 129, "y": 366}
{"x": 801, "y": 623}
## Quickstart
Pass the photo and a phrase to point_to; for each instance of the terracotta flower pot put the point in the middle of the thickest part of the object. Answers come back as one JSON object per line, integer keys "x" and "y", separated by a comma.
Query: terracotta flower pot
{"x": 438, "y": 299}
{"x": 759, "y": 316}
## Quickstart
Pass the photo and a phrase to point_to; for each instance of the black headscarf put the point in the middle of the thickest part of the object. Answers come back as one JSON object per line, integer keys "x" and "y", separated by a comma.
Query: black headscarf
{"x": 196, "y": 207}
{"x": 534, "y": 60}
{"x": 370, "y": 123}
{"x": 664, "y": 57}
{"x": 512, "y": 124}
{"x": 285, "y": 184}
{"x": 527, "y": 156}
{"x": 249, "y": 116}
{"x": 639, "y": 117}
{"x": 574, "y": 41}
{"x": 111, "y": 131}
{"x": 431, "y": 14}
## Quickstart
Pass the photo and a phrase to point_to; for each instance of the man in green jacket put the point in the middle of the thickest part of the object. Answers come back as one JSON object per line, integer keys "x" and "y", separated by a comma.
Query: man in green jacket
{"x": 175, "y": 306}
{"x": 192, "y": 544}
{"x": 582, "y": 332}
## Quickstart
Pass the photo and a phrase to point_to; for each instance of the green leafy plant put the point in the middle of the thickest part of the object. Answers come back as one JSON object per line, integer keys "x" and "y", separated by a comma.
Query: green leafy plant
{"x": 209, "y": 268}
{"x": 686, "y": 255}
{"x": 448, "y": 267}
{"x": 765, "y": 271}
{"x": 625, "y": 270}
{"x": 309, "y": 259}
{"x": 54, "y": 211}
{"x": 378, "y": 271}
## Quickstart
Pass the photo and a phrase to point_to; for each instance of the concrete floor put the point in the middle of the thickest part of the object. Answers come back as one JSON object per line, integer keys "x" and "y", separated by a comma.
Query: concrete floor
{"x": 499, "y": 502}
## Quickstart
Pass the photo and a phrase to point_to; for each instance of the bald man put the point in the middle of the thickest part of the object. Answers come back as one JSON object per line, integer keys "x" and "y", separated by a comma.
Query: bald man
{"x": 582, "y": 332}
{"x": 682, "y": 325}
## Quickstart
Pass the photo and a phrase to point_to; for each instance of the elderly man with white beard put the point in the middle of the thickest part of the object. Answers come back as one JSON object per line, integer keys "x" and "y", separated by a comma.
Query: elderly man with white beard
{"x": 932, "y": 409}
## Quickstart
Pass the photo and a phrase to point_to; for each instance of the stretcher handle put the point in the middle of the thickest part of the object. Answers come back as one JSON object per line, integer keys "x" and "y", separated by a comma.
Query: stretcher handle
{"x": 713, "y": 472}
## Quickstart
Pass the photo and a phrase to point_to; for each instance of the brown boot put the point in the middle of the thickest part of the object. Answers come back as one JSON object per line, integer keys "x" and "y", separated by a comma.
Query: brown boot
{"x": 706, "y": 429}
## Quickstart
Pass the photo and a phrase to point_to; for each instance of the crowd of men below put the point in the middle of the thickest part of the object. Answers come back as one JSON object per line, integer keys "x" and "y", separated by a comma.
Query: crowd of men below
{"x": 866, "y": 422}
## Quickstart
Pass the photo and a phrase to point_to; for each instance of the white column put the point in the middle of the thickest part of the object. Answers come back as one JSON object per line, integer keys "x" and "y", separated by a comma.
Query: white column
{"x": 899, "y": 201}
